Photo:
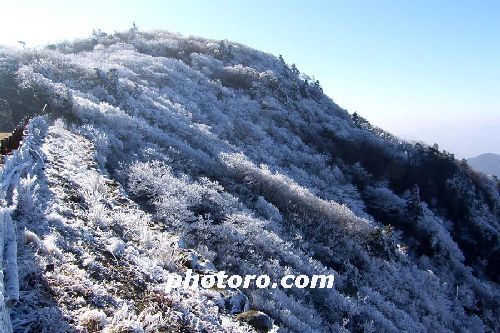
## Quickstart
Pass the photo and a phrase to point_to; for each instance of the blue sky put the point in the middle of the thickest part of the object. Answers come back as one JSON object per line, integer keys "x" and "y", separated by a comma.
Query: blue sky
{"x": 427, "y": 70}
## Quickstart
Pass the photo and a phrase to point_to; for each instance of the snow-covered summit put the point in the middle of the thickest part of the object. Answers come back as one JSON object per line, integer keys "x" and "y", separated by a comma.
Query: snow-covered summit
{"x": 160, "y": 148}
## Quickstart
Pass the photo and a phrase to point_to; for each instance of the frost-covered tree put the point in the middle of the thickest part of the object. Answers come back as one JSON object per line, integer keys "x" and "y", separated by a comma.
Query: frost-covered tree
{"x": 413, "y": 205}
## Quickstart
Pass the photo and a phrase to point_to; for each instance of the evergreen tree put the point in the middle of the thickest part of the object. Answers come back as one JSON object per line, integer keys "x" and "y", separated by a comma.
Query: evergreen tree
{"x": 282, "y": 60}
{"x": 304, "y": 89}
{"x": 317, "y": 85}
{"x": 133, "y": 30}
{"x": 413, "y": 205}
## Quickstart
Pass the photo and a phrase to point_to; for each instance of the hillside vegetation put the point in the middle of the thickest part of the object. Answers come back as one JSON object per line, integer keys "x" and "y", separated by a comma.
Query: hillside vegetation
{"x": 158, "y": 147}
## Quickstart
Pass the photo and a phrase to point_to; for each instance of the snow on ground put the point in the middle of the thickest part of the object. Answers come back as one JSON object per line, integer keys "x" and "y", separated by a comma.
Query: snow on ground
{"x": 89, "y": 258}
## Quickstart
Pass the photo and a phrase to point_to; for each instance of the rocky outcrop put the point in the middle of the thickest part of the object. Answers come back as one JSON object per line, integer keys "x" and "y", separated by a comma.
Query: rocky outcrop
{"x": 258, "y": 320}
{"x": 193, "y": 260}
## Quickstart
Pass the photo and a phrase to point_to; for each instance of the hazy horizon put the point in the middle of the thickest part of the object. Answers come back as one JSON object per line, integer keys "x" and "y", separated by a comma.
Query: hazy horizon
{"x": 424, "y": 71}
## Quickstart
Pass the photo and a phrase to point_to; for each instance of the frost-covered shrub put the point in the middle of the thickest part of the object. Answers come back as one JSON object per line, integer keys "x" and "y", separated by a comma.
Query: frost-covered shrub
{"x": 26, "y": 197}
{"x": 268, "y": 210}
{"x": 93, "y": 320}
{"x": 116, "y": 247}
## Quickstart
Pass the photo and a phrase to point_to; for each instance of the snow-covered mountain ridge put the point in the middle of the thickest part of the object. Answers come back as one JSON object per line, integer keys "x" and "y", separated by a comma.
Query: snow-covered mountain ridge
{"x": 160, "y": 147}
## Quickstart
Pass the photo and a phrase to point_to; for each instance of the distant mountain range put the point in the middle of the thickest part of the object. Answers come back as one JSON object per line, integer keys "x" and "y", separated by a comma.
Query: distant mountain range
{"x": 487, "y": 163}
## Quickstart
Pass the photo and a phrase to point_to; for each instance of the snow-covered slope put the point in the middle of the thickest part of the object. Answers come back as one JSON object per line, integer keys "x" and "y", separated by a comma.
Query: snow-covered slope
{"x": 90, "y": 255}
{"x": 160, "y": 148}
